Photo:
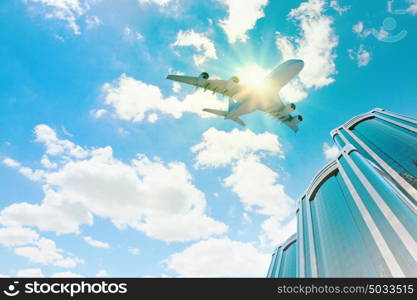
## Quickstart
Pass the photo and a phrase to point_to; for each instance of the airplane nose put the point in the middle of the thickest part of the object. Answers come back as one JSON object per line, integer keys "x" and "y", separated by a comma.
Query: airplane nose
{"x": 298, "y": 62}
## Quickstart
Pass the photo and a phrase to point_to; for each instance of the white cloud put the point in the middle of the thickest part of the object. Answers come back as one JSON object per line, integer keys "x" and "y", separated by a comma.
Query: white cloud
{"x": 360, "y": 31}
{"x": 255, "y": 183}
{"x": 158, "y": 2}
{"x": 89, "y": 240}
{"x": 241, "y": 18}
{"x": 358, "y": 27}
{"x": 380, "y": 34}
{"x": 102, "y": 273}
{"x": 294, "y": 91}
{"x": 258, "y": 189}
{"x": 246, "y": 217}
{"x": 44, "y": 251}
{"x": 339, "y": 9}
{"x": 30, "y": 273}
{"x": 47, "y": 163}
{"x": 330, "y": 152}
{"x": 219, "y": 258}
{"x": 130, "y": 35}
{"x": 58, "y": 37}
{"x": 17, "y": 236}
{"x": 361, "y": 56}
{"x": 34, "y": 175}
{"x": 316, "y": 46}
{"x": 66, "y": 132}
{"x": 133, "y": 99}
{"x": 54, "y": 146}
{"x": 153, "y": 117}
{"x": 65, "y": 10}
{"x": 134, "y": 250}
{"x": 219, "y": 148}
{"x": 148, "y": 195}
{"x": 200, "y": 42}
{"x": 67, "y": 275}
{"x": 276, "y": 231}
{"x": 176, "y": 87}
{"x": 412, "y": 9}
{"x": 11, "y": 162}
{"x": 122, "y": 131}
{"x": 93, "y": 21}
{"x": 98, "y": 113}
{"x": 56, "y": 213}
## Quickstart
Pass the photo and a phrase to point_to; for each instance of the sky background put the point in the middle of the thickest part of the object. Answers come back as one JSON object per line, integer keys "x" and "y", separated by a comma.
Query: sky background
{"x": 109, "y": 169}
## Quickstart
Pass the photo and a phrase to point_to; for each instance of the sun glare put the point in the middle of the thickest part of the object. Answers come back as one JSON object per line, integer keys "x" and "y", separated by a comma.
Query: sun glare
{"x": 252, "y": 74}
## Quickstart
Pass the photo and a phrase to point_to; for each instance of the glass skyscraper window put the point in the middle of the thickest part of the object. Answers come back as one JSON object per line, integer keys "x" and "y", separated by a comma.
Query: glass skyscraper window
{"x": 388, "y": 140}
{"x": 284, "y": 260}
{"x": 358, "y": 216}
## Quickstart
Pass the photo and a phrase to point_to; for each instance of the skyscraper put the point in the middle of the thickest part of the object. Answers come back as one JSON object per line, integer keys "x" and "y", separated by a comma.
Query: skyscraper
{"x": 358, "y": 216}
{"x": 390, "y": 141}
{"x": 284, "y": 260}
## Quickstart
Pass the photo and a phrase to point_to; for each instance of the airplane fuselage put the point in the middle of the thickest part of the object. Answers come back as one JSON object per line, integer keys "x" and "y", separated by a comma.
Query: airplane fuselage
{"x": 241, "y": 108}
{"x": 252, "y": 100}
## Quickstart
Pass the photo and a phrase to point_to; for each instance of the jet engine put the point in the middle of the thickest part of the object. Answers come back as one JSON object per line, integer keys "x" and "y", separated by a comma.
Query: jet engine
{"x": 231, "y": 84}
{"x": 202, "y": 80}
{"x": 288, "y": 108}
{"x": 297, "y": 119}
{"x": 204, "y": 75}
{"x": 292, "y": 122}
{"x": 234, "y": 79}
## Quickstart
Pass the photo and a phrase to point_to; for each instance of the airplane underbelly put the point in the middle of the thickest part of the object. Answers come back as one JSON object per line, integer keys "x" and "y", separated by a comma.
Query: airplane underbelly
{"x": 244, "y": 108}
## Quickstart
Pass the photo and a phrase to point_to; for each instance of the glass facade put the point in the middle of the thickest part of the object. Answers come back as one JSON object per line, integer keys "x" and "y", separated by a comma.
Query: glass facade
{"x": 358, "y": 217}
{"x": 388, "y": 140}
{"x": 330, "y": 218}
{"x": 284, "y": 260}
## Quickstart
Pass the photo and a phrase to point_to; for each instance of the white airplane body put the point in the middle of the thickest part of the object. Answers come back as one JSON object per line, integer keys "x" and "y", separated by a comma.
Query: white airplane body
{"x": 245, "y": 99}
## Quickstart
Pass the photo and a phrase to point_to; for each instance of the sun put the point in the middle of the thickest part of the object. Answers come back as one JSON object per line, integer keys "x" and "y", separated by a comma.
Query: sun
{"x": 252, "y": 74}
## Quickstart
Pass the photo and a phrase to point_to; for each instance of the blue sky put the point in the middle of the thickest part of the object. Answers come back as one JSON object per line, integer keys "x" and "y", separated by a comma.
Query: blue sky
{"x": 108, "y": 169}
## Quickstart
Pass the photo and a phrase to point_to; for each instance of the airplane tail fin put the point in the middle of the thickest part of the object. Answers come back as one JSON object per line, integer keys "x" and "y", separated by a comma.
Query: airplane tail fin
{"x": 216, "y": 112}
{"x": 231, "y": 103}
{"x": 223, "y": 113}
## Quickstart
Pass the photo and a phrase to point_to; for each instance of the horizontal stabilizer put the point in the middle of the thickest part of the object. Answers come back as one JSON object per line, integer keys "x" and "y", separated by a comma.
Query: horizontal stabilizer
{"x": 216, "y": 112}
{"x": 239, "y": 121}
{"x": 224, "y": 114}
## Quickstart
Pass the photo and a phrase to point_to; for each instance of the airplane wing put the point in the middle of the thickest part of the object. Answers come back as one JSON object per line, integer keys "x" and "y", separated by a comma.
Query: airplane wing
{"x": 184, "y": 79}
{"x": 291, "y": 124}
{"x": 223, "y": 87}
{"x": 287, "y": 119}
{"x": 282, "y": 113}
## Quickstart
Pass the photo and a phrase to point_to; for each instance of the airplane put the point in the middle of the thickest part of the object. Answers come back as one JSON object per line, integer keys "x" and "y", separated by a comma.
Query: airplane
{"x": 244, "y": 98}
